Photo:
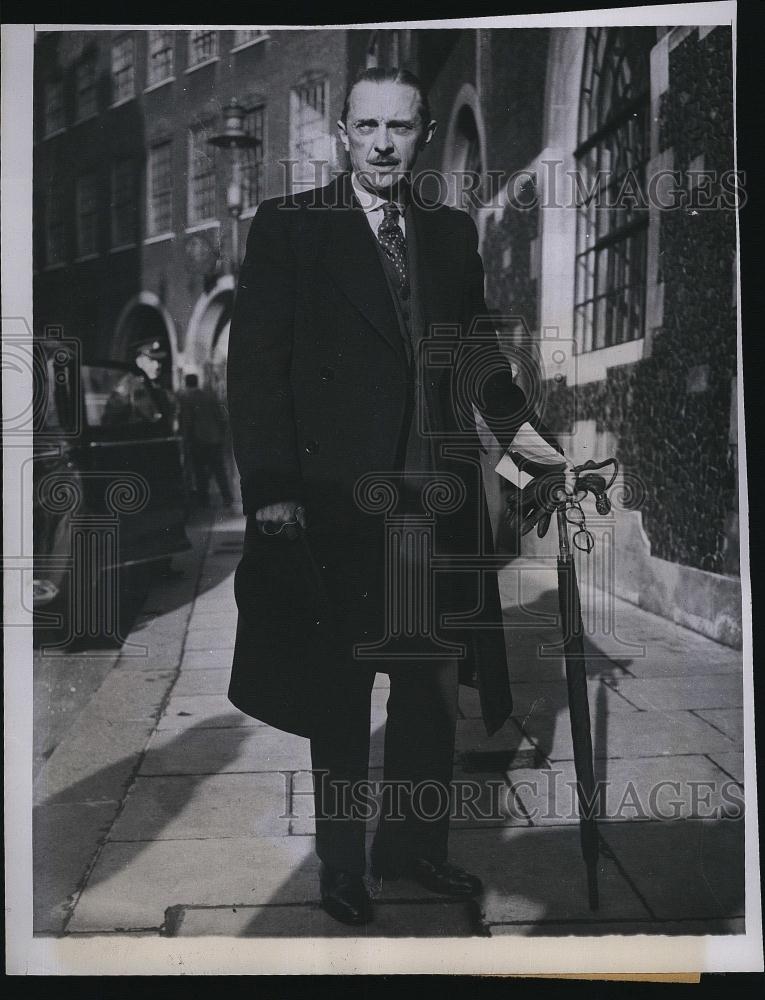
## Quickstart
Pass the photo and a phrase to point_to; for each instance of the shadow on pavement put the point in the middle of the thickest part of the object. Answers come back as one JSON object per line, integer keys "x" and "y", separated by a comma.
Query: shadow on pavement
{"x": 684, "y": 876}
{"x": 70, "y": 827}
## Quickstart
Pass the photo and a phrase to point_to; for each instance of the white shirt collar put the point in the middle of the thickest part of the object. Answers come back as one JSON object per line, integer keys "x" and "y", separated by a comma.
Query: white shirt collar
{"x": 369, "y": 201}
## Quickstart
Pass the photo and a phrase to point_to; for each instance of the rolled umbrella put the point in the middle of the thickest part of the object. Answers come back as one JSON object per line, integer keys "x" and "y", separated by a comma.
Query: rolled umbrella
{"x": 534, "y": 507}
{"x": 579, "y": 707}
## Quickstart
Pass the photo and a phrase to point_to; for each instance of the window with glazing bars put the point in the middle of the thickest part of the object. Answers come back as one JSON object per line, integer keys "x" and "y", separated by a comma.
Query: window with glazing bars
{"x": 123, "y": 69}
{"x": 203, "y": 45}
{"x": 87, "y": 215}
{"x": 85, "y": 88}
{"x": 159, "y": 63}
{"x": 202, "y": 187}
{"x": 53, "y": 110}
{"x": 252, "y": 160}
{"x": 309, "y": 131}
{"x": 160, "y": 190}
{"x": 612, "y": 213}
{"x": 55, "y": 224}
{"x": 124, "y": 203}
{"x": 243, "y": 37}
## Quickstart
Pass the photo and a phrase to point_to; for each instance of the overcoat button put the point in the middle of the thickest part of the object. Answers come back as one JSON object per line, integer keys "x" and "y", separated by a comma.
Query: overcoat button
{"x": 327, "y": 374}
{"x": 311, "y": 447}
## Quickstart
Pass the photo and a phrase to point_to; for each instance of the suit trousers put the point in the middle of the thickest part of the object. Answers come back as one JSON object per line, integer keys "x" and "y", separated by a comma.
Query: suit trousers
{"x": 413, "y": 810}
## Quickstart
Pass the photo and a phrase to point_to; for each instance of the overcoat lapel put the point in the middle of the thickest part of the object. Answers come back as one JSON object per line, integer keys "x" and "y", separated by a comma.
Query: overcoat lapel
{"x": 349, "y": 254}
{"x": 440, "y": 265}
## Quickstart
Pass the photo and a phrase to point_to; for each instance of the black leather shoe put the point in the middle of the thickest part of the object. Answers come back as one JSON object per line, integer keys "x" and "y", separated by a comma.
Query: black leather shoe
{"x": 344, "y": 896}
{"x": 444, "y": 878}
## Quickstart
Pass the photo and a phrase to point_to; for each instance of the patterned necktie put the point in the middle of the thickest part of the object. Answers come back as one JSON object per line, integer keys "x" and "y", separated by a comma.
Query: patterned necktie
{"x": 393, "y": 242}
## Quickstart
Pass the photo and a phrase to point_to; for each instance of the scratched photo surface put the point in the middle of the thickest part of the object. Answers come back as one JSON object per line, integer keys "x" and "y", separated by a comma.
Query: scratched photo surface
{"x": 386, "y": 569}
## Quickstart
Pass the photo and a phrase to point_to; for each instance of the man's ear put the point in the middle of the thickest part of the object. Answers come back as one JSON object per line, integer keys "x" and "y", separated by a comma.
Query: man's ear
{"x": 430, "y": 131}
{"x": 343, "y": 134}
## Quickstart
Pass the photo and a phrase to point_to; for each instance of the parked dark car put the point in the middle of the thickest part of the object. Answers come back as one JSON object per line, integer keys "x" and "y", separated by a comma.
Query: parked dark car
{"x": 108, "y": 490}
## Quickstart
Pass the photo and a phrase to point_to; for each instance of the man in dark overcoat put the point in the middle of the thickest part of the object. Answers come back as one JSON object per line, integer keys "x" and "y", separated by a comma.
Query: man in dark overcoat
{"x": 357, "y": 362}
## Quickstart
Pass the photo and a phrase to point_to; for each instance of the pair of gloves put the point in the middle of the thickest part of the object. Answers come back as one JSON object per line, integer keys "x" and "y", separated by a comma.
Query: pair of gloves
{"x": 538, "y": 500}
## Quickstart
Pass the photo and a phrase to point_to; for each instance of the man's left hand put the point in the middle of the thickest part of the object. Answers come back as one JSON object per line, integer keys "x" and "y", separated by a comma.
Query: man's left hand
{"x": 540, "y": 498}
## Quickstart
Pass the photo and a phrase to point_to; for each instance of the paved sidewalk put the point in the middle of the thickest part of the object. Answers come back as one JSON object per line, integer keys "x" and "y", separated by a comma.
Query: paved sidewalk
{"x": 166, "y": 811}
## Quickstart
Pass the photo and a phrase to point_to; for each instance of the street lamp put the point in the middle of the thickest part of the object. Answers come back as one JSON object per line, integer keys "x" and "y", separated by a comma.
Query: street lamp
{"x": 234, "y": 138}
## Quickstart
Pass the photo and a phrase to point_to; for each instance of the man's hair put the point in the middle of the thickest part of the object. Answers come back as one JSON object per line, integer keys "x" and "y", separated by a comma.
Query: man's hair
{"x": 192, "y": 381}
{"x": 394, "y": 75}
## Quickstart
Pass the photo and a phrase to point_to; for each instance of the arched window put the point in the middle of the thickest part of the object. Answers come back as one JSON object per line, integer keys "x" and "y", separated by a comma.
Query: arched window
{"x": 612, "y": 209}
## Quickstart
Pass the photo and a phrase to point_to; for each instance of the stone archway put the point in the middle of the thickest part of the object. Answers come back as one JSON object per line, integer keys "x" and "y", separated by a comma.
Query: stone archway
{"x": 207, "y": 335}
{"x": 465, "y": 152}
{"x": 206, "y": 350}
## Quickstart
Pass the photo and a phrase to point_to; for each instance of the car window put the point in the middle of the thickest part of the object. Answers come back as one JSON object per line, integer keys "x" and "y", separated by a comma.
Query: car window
{"x": 118, "y": 398}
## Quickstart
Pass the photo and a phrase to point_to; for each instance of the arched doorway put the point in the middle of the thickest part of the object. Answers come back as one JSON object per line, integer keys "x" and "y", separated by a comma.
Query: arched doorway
{"x": 206, "y": 352}
{"x": 218, "y": 359}
{"x": 464, "y": 162}
{"x": 207, "y": 336}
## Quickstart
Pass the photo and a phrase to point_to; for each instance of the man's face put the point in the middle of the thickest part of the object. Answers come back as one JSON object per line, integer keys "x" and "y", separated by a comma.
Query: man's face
{"x": 151, "y": 367}
{"x": 384, "y": 133}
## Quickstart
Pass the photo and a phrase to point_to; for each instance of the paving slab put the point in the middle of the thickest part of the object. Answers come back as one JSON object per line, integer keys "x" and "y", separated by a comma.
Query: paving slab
{"x": 200, "y": 659}
{"x": 198, "y": 710}
{"x": 213, "y": 806}
{"x": 132, "y": 884}
{"x": 530, "y": 586}
{"x": 216, "y": 597}
{"x": 731, "y": 763}
{"x": 93, "y": 765}
{"x": 690, "y": 868}
{"x": 126, "y": 696}
{"x": 156, "y": 622}
{"x": 218, "y": 749}
{"x": 648, "y": 788}
{"x": 630, "y": 734}
{"x": 678, "y": 664}
{"x": 666, "y": 693}
{"x": 472, "y": 738}
{"x": 212, "y": 619}
{"x": 421, "y": 919}
{"x": 545, "y": 697}
{"x": 525, "y": 660}
{"x": 161, "y": 651}
{"x": 65, "y": 838}
{"x": 533, "y": 873}
{"x": 210, "y": 638}
{"x": 202, "y": 681}
{"x": 729, "y": 720}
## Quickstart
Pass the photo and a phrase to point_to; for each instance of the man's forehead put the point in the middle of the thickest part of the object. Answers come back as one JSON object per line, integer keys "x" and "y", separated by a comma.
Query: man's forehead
{"x": 386, "y": 99}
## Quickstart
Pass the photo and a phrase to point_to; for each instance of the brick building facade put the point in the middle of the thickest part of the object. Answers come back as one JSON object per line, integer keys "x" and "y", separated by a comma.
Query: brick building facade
{"x": 132, "y": 232}
{"x": 621, "y": 319}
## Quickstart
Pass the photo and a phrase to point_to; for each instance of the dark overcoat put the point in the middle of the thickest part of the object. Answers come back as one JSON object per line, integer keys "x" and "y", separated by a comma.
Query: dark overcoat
{"x": 319, "y": 391}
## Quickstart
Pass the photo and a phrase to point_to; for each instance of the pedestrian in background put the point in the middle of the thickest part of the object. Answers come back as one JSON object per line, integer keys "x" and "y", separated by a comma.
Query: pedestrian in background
{"x": 204, "y": 428}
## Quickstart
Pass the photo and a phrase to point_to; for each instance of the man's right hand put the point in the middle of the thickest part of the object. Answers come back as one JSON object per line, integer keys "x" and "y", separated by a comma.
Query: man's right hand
{"x": 281, "y": 518}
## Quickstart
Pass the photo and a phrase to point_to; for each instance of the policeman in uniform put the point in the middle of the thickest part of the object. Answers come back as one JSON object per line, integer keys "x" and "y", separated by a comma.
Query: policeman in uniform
{"x": 139, "y": 396}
